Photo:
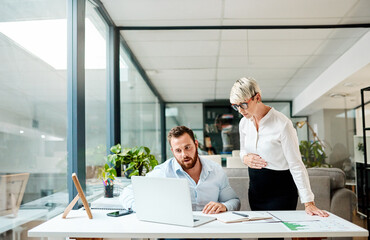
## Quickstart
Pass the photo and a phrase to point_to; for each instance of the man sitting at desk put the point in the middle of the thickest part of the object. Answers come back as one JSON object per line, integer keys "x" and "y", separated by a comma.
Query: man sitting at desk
{"x": 209, "y": 186}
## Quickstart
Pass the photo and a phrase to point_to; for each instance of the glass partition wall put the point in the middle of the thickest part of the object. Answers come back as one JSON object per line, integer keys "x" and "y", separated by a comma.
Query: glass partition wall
{"x": 186, "y": 114}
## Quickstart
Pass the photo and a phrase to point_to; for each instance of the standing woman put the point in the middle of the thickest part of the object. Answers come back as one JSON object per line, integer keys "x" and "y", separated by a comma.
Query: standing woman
{"x": 269, "y": 146}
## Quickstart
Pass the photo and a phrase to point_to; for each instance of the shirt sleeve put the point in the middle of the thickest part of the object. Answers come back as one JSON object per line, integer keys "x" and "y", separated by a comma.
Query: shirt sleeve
{"x": 126, "y": 197}
{"x": 242, "y": 136}
{"x": 227, "y": 195}
{"x": 290, "y": 146}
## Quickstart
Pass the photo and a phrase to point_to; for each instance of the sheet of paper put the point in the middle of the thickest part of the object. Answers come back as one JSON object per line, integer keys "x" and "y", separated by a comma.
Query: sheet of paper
{"x": 317, "y": 225}
{"x": 229, "y": 217}
{"x": 297, "y": 216}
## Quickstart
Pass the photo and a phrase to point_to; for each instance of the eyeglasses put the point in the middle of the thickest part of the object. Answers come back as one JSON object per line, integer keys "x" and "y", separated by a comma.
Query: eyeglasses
{"x": 243, "y": 105}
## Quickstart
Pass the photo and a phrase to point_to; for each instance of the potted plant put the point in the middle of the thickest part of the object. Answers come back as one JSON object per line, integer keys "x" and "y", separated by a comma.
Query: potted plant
{"x": 135, "y": 160}
{"x": 107, "y": 174}
{"x": 313, "y": 154}
{"x": 360, "y": 147}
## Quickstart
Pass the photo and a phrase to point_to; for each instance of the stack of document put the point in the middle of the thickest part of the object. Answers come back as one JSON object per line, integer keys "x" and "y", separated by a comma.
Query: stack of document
{"x": 234, "y": 217}
{"x": 106, "y": 204}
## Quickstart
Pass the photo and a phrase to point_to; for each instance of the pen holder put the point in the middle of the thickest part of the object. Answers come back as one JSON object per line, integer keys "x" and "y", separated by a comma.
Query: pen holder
{"x": 108, "y": 192}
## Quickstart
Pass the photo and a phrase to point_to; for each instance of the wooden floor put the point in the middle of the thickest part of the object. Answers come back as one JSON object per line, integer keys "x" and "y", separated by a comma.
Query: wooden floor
{"x": 360, "y": 221}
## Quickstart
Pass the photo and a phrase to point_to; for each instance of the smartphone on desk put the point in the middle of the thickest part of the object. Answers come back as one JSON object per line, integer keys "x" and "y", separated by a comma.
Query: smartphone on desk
{"x": 120, "y": 213}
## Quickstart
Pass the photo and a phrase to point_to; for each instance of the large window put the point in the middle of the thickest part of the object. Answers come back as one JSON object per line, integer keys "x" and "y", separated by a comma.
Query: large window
{"x": 95, "y": 86}
{"x": 140, "y": 110}
{"x": 33, "y": 104}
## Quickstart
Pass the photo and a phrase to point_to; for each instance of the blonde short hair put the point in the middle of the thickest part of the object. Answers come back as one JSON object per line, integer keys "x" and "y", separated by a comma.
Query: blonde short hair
{"x": 243, "y": 89}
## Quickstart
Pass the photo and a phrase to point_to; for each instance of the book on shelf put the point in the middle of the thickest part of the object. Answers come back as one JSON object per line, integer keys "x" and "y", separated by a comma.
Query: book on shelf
{"x": 235, "y": 217}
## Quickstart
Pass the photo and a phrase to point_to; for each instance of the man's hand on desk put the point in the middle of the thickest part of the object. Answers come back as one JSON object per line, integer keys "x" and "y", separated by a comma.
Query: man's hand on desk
{"x": 311, "y": 209}
{"x": 214, "y": 207}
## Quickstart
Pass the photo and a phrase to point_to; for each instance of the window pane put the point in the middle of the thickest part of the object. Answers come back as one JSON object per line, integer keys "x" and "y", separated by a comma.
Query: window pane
{"x": 95, "y": 85}
{"x": 33, "y": 101}
{"x": 140, "y": 110}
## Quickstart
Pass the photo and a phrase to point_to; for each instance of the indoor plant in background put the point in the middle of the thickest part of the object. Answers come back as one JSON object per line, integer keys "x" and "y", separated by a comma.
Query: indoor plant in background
{"x": 107, "y": 174}
{"x": 313, "y": 154}
{"x": 136, "y": 161}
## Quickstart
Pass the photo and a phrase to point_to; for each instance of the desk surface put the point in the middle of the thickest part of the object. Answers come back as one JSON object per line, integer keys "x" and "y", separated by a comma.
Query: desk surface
{"x": 23, "y": 216}
{"x": 77, "y": 224}
{"x": 40, "y": 210}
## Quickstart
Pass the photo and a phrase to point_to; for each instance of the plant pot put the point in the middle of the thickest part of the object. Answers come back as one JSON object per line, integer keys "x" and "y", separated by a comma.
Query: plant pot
{"x": 108, "y": 191}
{"x": 118, "y": 169}
{"x": 128, "y": 172}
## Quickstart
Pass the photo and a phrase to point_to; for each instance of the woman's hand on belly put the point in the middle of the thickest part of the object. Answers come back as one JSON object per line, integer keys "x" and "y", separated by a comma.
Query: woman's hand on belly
{"x": 254, "y": 161}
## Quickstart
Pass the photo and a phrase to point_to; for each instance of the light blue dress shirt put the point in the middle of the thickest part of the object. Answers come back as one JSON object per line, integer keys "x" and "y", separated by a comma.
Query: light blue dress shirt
{"x": 213, "y": 185}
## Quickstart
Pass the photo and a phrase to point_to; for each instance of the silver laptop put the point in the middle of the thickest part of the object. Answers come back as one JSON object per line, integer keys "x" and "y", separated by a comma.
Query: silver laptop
{"x": 165, "y": 200}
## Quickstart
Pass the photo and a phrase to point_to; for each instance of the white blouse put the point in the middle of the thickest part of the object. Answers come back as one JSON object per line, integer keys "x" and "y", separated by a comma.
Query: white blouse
{"x": 276, "y": 142}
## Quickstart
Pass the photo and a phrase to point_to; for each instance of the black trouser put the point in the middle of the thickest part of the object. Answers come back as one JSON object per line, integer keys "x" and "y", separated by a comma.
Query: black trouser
{"x": 271, "y": 190}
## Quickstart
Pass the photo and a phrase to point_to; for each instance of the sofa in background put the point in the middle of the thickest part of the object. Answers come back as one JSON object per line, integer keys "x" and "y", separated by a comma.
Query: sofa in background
{"x": 328, "y": 185}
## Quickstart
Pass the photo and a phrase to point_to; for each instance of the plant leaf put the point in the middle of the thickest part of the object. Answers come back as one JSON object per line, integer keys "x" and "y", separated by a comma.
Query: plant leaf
{"x": 116, "y": 148}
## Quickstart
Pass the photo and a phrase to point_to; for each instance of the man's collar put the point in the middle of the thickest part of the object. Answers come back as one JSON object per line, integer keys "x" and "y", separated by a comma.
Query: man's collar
{"x": 177, "y": 166}
{"x": 206, "y": 169}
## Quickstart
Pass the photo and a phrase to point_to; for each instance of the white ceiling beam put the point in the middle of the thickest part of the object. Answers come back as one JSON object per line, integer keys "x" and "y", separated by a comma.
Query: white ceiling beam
{"x": 350, "y": 62}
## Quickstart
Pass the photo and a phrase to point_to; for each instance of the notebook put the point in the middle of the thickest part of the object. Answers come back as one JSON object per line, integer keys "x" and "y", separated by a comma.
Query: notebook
{"x": 106, "y": 204}
{"x": 165, "y": 200}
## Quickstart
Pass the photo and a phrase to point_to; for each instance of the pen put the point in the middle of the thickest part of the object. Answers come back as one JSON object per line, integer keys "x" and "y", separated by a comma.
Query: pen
{"x": 241, "y": 214}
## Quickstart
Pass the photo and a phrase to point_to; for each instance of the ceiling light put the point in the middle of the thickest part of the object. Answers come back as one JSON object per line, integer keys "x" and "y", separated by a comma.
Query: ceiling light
{"x": 348, "y": 84}
{"x": 338, "y": 95}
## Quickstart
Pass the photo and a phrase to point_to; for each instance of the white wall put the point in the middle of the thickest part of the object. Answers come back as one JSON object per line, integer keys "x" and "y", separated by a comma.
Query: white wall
{"x": 316, "y": 121}
{"x": 336, "y": 130}
{"x": 359, "y": 119}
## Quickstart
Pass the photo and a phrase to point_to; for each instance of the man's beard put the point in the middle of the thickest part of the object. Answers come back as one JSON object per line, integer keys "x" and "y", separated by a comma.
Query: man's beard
{"x": 190, "y": 164}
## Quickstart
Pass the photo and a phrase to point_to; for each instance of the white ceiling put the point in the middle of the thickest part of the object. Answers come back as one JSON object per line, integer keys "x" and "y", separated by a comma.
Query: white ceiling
{"x": 202, "y": 65}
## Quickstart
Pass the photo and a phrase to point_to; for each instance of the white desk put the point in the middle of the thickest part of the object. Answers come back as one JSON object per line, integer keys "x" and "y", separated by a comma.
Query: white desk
{"x": 37, "y": 210}
{"x": 9, "y": 221}
{"x": 78, "y": 225}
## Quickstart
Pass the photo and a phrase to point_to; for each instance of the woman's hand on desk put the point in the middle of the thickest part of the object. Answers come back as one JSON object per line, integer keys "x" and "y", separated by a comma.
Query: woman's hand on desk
{"x": 214, "y": 207}
{"x": 311, "y": 209}
{"x": 254, "y": 161}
